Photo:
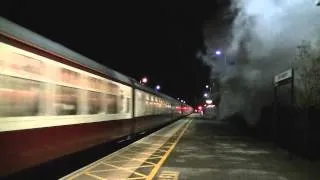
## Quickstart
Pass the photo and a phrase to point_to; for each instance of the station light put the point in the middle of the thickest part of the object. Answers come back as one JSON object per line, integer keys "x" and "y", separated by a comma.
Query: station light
{"x": 209, "y": 101}
{"x": 144, "y": 80}
{"x": 158, "y": 87}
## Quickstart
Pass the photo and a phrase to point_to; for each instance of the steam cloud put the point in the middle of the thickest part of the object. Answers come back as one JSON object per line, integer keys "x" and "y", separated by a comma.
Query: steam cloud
{"x": 264, "y": 38}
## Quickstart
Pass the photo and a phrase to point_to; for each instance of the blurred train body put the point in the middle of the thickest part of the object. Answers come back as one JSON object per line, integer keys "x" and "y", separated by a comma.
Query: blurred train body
{"x": 55, "y": 102}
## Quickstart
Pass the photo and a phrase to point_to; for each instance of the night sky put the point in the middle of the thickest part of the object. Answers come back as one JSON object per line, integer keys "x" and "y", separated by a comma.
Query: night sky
{"x": 157, "y": 41}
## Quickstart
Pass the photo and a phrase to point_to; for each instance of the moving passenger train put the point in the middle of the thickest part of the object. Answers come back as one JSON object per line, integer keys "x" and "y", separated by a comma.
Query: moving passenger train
{"x": 55, "y": 102}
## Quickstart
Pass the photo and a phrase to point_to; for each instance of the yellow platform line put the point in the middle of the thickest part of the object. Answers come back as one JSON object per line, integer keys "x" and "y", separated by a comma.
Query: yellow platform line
{"x": 108, "y": 170}
{"x": 94, "y": 176}
{"x": 137, "y": 178}
{"x": 156, "y": 149}
{"x": 159, "y": 164}
{"x": 132, "y": 152}
{"x": 155, "y": 157}
{"x": 125, "y": 169}
{"x": 143, "y": 161}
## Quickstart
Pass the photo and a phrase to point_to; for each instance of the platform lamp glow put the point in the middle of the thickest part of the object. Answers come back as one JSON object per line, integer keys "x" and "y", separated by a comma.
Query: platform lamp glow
{"x": 157, "y": 87}
{"x": 219, "y": 53}
{"x": 209, "y": 101}
{"x": 144, "y": 80}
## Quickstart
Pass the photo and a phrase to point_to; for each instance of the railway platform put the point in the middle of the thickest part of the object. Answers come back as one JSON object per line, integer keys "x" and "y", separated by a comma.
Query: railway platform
{"x": 197, "y": 148}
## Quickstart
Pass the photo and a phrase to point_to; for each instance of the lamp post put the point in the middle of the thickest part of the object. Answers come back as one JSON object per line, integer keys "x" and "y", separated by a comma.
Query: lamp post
{"x": 209, "y": 87}
{"x": 219, "y": 53}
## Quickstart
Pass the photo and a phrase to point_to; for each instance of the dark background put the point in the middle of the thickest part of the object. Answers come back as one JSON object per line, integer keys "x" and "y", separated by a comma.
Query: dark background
{"x": 159, "y": 41}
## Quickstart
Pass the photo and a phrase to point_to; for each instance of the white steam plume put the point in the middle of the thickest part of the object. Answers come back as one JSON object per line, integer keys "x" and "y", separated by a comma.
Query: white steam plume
{"x": 264, "y": 38}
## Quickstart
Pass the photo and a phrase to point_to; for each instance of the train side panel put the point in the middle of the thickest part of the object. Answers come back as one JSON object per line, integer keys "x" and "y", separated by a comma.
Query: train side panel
{"x": 49, "y": 109}
{"x": 150, "y": 111}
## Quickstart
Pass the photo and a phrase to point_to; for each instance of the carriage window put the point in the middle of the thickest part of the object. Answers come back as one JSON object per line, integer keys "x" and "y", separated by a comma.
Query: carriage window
{"x": 112, "y": 104}
{"x": 66, "y": 100}
{"x": 19, "y": 97}
{"x": 94, "y": 99}
{"x": 128, "y": 105}
{"x": 121, "y": 104}
{"x": 68, "y": 76}
{"x": 95, "y": 83}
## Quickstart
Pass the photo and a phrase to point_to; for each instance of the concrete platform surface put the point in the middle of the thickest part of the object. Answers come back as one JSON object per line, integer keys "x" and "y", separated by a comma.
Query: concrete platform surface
{"x": 214, "y": 150}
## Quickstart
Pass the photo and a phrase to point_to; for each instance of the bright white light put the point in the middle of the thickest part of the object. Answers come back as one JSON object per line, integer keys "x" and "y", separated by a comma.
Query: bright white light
{"x": 218, "y": 52}
{"x": 207, "y": 86}
{"x": 209, "y": 101}
{"x": 144, "y": 80}
{"x": 205, "y": 95}
{"x": 158, "y": 87}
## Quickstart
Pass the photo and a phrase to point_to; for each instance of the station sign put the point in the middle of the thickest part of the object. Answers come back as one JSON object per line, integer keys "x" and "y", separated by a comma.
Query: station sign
{"x": 283, "y": 76}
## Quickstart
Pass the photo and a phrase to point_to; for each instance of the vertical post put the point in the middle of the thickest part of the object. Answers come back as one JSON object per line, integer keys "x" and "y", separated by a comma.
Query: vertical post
{"x": 292, "y": 89}
{"x": 274, "y": 126}
{"x": 292, "y": 111}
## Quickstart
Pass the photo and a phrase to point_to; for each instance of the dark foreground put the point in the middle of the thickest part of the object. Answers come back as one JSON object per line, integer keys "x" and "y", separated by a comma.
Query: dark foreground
{"x": 217, "y": 150}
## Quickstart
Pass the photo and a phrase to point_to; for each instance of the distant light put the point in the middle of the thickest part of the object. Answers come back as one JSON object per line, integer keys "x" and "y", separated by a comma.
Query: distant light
{"x": 144, "y": 80}
{"x": 209, "y": 101}
{"x": 205, "y": 94}
{"x": 207, "y": 86}
{"x": 218, "y": 52}
{"x": 157, "y": 87}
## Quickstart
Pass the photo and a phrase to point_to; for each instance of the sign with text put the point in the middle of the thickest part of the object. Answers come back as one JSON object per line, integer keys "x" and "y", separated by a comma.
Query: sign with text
{"x": 283, "y": 76}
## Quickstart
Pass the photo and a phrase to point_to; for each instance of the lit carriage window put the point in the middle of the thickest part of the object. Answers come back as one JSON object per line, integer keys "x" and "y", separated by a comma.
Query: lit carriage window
{"x": 68, "y": 76}
{"x": 96, "y": 84}
{"x": 19, "y": 97}
{"x": 121, "y": 104}
{"x": 112, "y": 104}
{"x": 66, "y": 100}
{"x": 128, "y": 105}
{"x": 94, "y": 100}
